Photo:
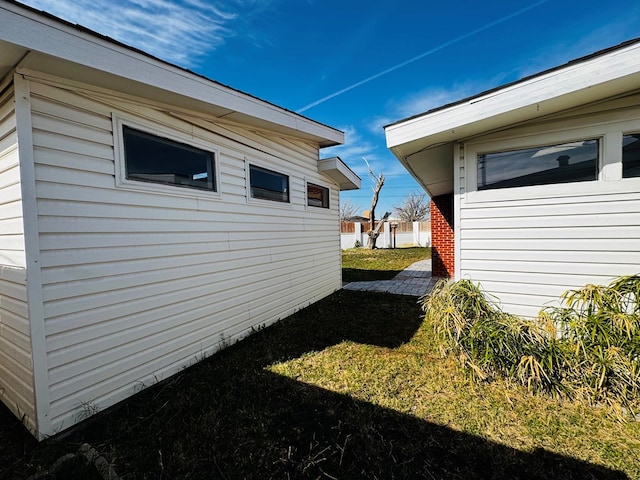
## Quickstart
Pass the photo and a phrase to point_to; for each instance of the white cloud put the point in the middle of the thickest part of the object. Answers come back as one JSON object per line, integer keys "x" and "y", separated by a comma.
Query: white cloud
{"x": 354, "y": 150}
{"x": 181, "y": 33}
{"x": 431, "y": 98}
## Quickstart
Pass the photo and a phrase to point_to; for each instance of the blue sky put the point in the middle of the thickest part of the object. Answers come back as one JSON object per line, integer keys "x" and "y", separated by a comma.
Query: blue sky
{"x": 358, "y": 65}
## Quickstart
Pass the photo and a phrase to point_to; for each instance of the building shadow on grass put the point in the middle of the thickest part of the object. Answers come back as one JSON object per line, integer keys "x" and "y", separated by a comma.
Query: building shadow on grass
{"x": 230, "y": 418}
{"x": 361, "y": 275}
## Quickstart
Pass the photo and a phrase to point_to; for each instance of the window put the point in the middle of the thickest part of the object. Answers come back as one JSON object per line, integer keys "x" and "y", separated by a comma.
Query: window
{"x": 268, "y": 185}
{"x": 631, "y": 155}
{"x": 154, "y": 159}
{"x": 563, "y": 163}
{"x": 317, "y": 196}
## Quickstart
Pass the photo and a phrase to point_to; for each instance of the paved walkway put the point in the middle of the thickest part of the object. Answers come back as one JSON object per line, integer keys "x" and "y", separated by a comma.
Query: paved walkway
{"x": 415, "y": 280}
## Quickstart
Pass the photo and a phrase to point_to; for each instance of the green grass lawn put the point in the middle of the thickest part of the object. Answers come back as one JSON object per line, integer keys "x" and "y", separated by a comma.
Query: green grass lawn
{"x": 363, "y": 264}
{"x": 351, "y": 387}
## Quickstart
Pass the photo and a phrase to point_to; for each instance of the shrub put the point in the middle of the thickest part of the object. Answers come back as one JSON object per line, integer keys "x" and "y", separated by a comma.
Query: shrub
{"x": 589, "y": 347}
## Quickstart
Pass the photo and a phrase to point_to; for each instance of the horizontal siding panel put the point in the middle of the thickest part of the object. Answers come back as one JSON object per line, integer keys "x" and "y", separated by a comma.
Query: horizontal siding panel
{"x": 110, "y": 240}
{"x": 15, "y": 382}
{"x": 541, "y": 221}
{"x": 106, "y": 367}
{"x": 617, "y": 256}
{"x": 597, "y": 194}
{"x": 9, "y": 177}
{"x": 623, "y": 203}
{"x": 42, "y": 94}
{"x": 227, "y": 277}
{"x": 15, "y": 345}
{"x": 16, "y": 375}
{"x": 136, "y": 284}
{"x": 567, "y": 281}
{"x": 44, "y": 141}
{"x": 73, "y": 130}
{"x": 55, "y": 158}
{"x": 232, "y": 261}
{"x": 9, "y": 158}
{"x": 584, "y": 233}
{"x": 583, "y": 268}
{"x": 11, "y": 226}
{"x": 8, "y": 142}
{"x": 11, "y": 207}
{"x": 59, "y": 117}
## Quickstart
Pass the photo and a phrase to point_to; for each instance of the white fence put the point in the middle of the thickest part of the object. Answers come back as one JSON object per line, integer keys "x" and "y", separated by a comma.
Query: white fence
{"x": 415, "y": 237}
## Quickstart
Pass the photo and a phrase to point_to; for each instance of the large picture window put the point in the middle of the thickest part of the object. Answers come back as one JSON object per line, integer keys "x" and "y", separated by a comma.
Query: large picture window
{"x": 317, "y": 196}
{"x": 631, "y": 155}
{"x": 155, "y": 159}
{"x": 562, "y": 163}
{"x": 268, "y": 185}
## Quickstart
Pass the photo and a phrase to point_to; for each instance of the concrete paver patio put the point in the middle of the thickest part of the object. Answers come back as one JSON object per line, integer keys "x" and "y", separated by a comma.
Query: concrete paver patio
{"x": 415, "y": 280}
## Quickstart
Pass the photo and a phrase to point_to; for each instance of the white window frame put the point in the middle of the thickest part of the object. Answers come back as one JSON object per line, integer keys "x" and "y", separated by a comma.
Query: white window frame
{"x": 306, "y": 193}
{"x": 609, "y": 179}
{"x": 263, "y": 201}
{"x": 120, "y": 120}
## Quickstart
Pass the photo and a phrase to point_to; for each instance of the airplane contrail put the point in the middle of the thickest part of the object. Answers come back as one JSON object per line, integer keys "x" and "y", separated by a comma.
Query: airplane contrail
{"x": 422, "y": 55}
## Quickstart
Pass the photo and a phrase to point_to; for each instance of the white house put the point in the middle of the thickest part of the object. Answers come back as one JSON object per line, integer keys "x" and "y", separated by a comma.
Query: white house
{"x": 535, "y": 185}
{"x": 148, "y": 216}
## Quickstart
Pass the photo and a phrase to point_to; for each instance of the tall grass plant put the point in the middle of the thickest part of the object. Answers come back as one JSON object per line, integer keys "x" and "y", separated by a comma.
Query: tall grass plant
{"x": 587, "y": 348}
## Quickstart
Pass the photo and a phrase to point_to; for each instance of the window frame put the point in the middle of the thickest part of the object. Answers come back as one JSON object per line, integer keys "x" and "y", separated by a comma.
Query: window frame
{"x": 164, "y": 132}
{"x": 273, "y": 202}
{"x": 324, "y": 187}
{"x": 539, "y": 147}
{"x": 609, "y": 128}
{"x": 635, "y": 133}
{"x": 469, "y": 164}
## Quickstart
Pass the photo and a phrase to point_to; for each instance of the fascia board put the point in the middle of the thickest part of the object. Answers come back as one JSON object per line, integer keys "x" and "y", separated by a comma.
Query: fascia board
{"x": 22, "y": 27}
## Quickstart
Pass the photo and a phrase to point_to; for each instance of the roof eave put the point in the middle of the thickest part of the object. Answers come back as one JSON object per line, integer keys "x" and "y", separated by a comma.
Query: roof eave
{"x": 340, "y": 173}
{"x": 610, "y": 74}
{"x": 24, "y": 28}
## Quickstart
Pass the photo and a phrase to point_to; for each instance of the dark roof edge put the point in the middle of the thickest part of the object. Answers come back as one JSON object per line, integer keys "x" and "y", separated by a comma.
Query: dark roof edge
{"x": 583, "y": 59}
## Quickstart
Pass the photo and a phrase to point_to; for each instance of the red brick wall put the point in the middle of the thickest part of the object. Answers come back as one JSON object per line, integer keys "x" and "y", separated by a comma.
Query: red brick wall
{"x": 442, "y": 246}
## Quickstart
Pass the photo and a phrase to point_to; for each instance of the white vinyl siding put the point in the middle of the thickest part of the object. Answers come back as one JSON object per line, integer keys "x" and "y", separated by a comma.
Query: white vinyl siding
{"x": 16, "y": 374}
{"x": 527, "y": 253}
{"x": 528, "y": 245}
{"x": 11, "y": 228}
{"x": 137, "y": 285}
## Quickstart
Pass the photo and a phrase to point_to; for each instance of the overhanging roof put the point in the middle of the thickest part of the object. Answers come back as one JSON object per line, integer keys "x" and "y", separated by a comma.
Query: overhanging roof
{"x": 424, "y": 143}
{"x": 340, "y": 173}
{"x": 38, "y": 43}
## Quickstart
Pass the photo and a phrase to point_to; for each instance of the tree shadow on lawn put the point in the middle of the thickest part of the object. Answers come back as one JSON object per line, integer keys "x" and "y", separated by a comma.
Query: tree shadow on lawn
{"x": 229, "y": 418}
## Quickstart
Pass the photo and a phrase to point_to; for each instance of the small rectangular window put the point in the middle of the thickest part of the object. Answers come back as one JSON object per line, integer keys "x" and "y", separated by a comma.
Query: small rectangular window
{"x": 631, "y": 155}
{"x": 268, "y": 185}
{"x": 564, "y": 163}
{"x": 154, "y": 159}
{"x": 317, "y": 196}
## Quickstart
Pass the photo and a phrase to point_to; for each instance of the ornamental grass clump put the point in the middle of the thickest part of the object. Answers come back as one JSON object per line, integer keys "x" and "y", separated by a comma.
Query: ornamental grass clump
{"x": 588, "y": 348}
{"x": 489, "y": 342}
{"x": 601, "y": 328}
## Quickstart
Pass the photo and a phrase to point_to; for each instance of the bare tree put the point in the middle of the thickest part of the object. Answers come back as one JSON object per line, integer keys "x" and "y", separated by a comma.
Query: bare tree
{"x": 415, "y": 207}
{"x": 348, "y": 210}
{"x": 374, "y": 230}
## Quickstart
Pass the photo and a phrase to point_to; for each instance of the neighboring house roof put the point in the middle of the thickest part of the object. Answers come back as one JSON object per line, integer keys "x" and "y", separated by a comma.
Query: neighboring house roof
{"x": 424, "y": 143}
{"x": 32, "y": 41}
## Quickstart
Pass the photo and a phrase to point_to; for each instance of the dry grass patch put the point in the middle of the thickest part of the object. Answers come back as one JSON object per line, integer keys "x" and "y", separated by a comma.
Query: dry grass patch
{"x": 415, "y": 380}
